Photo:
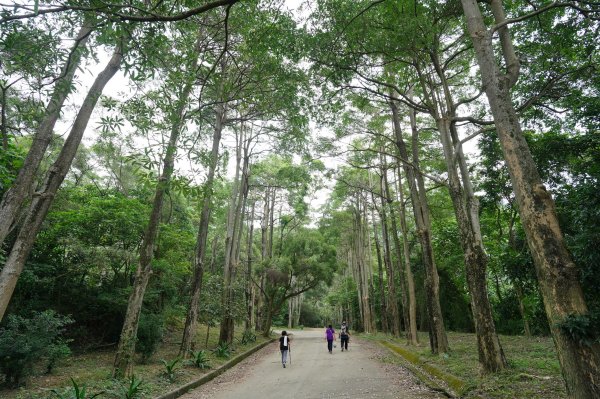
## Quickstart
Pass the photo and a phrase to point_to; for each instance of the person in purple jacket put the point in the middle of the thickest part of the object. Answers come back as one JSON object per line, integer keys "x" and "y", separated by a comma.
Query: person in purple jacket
{"x": 330, "y": 336}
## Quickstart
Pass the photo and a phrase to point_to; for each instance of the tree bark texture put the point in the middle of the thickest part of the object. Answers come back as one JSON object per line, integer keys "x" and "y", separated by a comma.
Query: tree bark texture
{"x": 42, "y": 200}
{"x": 558, "y": 275}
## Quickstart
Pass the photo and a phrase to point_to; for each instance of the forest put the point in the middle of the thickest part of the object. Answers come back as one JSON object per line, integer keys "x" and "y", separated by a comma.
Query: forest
{"x": 409, "y": 166}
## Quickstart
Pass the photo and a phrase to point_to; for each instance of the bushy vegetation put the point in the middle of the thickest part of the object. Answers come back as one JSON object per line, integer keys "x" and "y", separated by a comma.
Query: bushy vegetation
{"x": 24, "y": 341}
{"x": 149, "y": 336}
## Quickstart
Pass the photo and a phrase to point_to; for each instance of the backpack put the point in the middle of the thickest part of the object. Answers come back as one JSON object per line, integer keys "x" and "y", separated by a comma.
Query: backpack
{"x": 344, "y": 330}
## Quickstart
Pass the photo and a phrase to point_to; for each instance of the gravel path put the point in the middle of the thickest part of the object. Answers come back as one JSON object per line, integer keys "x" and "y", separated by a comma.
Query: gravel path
{"x": 360, "y": 372}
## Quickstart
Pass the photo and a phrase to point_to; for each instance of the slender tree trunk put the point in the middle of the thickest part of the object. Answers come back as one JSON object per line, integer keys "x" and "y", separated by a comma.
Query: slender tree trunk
{"x": 394, "y": 232}
{"x": 413, "y": 337}
{"x": 191, "y": 321}
{"x": 359, "y": 267}
{"x": 519, "y": 292}
{"x": 123, "y": 364}
{"x": 491, "y": 355}
{"x": 298, "y": 310}
{"x": 392, "y": 301}
{"x": 264, "y": 225}
{"x": 268, "y": 319}
{"x": 437, "y": 334}
{"x": 272, "y": 222}
{"x": 382, "y": 306}
{"x": 367, "y": 267}
{"x": 227, "y": 322}
{"x": 249, "y": 286}
{"x": 213, "y": 253}
{"x": 13, "y": 198}
{"x": 558, "y": 275}
{"x": 242, "y": 200}
{"x": 40, "y": 204}
{"x": 291, "y": 309}
{"x": 3, "y": 120}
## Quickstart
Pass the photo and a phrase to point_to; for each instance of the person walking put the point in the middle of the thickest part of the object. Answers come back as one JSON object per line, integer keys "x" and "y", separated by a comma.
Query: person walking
{"x": 344, "y": 336}
{"x": 330, "y": 336}
{"x": 284, "y": 347}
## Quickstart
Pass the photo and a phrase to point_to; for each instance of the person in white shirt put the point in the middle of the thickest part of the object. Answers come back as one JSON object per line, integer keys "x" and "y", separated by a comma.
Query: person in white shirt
{"x": 344, "y": 335}
{"x": 284, "y": 347}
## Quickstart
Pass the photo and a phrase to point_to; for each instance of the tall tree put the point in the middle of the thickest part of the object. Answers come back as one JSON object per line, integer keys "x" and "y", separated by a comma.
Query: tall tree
{"x": 557, "y": 273}
{"x": 123, "y": 364}
{"x": 15, "y": 196}
{"x": 40, "y": 205}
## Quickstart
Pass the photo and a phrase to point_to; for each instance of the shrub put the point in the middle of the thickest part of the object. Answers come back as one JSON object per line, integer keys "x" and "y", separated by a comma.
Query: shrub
{"x": 170, "y": 368}
{"x": 247, "y": 337}
{"x": 200, "y": 360}
{"x": 134, "y": 389}
{"x": 23, "y": 342}
{"x": 76, "y": 392}
{"x": 222, "y": 350}
{"x": 150, "y": 333}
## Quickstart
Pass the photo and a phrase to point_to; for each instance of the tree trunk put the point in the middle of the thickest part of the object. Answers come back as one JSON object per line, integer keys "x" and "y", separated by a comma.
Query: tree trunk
{"x": 367, "y": 268}
{"x": 40, "y": 204}
{"x": 413, "y": 337}
{"x": 266, "y": 253}
{"x": 491, "y": 355}
{"x": 123, "y": 364}
{"x": 268, "y": 320}
{"x": 358, "y": 264}
{"x": 524, "y": 316}
{"x": 392, "y": 301}
{"x": 296, "y": 321}
{"x": 227, "y": 323}
{"x": 272, "y": 222}
{"x": 437, "y": 334}
{"x": 558, "y": 275}
{"x": 403, "y": 284}
{"x": 382, "y": 307}
{"x": 13, "y": 198}
{"x": 191, "y": 321}
{"x": 213, "y": 253}
{"x": 249, "y": 287}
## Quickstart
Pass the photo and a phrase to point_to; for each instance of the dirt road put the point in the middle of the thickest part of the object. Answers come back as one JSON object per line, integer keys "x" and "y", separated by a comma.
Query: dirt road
{"x": 360, "y": 372}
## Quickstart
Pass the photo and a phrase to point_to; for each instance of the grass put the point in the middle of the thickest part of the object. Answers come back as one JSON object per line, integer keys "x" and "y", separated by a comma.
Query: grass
{"x": 94, "y": 370}
{"x": 533, "y": 370}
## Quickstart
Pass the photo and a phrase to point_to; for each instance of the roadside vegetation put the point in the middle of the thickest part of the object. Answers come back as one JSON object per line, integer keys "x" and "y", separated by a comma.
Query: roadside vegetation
{"x": 533, "y": 370}
{"x": 92, "y": 370}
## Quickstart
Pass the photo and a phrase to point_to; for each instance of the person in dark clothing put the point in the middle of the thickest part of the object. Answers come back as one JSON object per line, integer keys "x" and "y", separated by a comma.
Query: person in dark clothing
{"x": 344, "y": 336}
{"x": 284, "y": 347}
{"x": 330, "y": 337}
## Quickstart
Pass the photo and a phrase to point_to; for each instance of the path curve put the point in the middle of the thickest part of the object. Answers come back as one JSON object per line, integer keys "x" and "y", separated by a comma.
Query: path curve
{"x": 315, "y": 374}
